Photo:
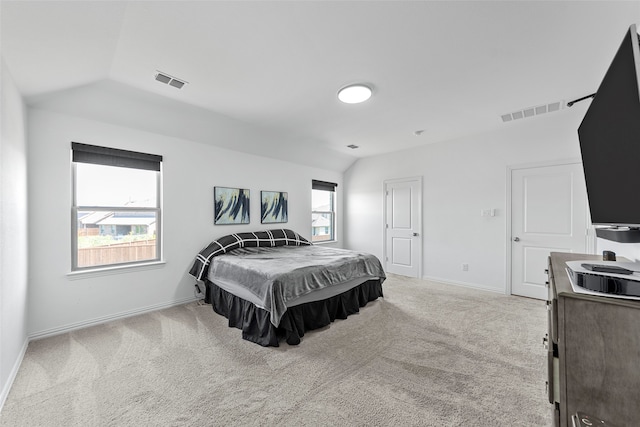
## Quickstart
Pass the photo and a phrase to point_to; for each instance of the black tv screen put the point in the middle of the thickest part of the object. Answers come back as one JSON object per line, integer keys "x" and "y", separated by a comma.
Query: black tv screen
{"x": 610, "y": 141}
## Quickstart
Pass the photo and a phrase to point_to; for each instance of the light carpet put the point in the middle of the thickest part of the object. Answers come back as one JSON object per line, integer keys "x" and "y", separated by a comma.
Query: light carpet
{"x": 426, "y": 354}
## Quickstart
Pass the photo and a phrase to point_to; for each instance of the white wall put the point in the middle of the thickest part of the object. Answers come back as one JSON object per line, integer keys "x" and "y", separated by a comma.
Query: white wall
{"x": 191, "y": 169}
{"x": 123, "y": 105}
{"x": 460, "y": 178}
{"x": 13, "y": 232}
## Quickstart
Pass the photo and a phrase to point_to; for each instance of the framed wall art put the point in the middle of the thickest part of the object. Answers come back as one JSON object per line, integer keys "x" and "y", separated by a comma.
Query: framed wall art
{"x": 273, "y": 207}
{"x": 230, "y": 205}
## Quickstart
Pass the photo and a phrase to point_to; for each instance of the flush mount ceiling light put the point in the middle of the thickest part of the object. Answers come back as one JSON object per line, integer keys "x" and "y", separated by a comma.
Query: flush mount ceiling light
{"x": 354, "y": 94}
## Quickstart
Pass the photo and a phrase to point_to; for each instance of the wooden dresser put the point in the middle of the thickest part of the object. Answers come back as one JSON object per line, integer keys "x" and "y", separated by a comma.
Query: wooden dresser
{"x": 594, "y": 351}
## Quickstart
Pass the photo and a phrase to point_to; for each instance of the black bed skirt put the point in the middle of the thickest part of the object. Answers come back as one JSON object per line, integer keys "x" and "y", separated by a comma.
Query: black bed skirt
{"x": 257, "y": 327}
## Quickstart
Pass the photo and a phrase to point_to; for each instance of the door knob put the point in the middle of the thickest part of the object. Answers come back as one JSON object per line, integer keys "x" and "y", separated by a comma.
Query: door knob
{"x": 516, "y": 239}
{"x": 415, "y": 234}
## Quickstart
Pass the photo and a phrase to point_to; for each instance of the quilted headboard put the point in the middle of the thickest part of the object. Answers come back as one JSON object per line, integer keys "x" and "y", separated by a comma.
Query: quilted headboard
{"x": 268, "y": 238}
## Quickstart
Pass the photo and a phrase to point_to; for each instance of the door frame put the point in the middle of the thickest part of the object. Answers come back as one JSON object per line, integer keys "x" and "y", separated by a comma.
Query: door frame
{"x": 591, "y": 235}
{"x": 385, "y": 183}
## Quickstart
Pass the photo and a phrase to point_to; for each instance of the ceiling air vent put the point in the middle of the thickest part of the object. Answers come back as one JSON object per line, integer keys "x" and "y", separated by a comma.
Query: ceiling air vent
{"x": 533, "y": 111}
{"x": 162, "y": 78}
{"x": 170, "y": 80}
{"x": 176, "y": 83}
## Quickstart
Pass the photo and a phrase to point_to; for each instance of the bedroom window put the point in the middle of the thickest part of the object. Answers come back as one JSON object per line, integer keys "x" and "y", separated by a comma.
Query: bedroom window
{"x": 116, "y": 208}
{"x": 323, "y": 211}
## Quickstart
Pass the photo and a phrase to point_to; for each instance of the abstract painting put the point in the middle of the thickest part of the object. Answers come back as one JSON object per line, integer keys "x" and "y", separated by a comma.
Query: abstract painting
{"x": 230, "y": 205}
{"x": 273, "y": 207}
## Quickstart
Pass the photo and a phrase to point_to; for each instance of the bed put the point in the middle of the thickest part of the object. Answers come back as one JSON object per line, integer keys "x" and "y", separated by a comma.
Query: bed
{"x": 276, "y": 285}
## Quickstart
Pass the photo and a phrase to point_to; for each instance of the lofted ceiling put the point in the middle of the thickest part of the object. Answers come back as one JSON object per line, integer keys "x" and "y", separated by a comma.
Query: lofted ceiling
{"x": 445, "y": 68}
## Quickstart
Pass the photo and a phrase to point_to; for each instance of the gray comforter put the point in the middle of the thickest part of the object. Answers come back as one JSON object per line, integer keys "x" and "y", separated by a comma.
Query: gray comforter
{"x": 277, "y": 275}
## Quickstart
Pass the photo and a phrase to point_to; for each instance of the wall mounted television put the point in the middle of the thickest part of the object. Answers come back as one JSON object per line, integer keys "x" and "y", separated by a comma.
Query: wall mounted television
{"x": 609, "y": 138}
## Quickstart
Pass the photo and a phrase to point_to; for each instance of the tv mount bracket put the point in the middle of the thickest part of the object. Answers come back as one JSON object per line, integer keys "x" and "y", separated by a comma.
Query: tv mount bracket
{"x": 570, "y": 103}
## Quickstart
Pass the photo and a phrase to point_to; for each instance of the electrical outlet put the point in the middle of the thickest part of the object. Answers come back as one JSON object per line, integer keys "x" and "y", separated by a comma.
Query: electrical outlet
{"x": 465, "y": 267}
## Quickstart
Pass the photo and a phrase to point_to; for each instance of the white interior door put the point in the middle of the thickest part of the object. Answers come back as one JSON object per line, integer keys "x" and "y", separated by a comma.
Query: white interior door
{"x": 548, "y": 214}
{"x": 403, "y": 240}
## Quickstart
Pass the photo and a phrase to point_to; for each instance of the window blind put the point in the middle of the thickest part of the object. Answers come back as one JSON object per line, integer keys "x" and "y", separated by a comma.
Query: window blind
{"x": 85, "y": 153}
{"x": 323, "y": 185}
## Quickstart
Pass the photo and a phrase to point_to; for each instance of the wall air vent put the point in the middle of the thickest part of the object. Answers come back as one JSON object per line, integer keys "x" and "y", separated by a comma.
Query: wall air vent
{"x": 533, "y": 111}
{"x": 170, "y": 80}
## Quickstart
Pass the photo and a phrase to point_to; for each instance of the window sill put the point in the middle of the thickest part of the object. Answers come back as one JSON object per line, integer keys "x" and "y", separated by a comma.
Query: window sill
{"x": 105, "y": 271}
{"x": 325, "y": 242}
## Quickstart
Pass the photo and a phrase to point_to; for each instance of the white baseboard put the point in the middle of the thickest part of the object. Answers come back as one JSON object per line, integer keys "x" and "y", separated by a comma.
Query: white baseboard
{"x": 465, "y": 285}
{"x": 99, "y": 320}
{"x": 12, "y": 375}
